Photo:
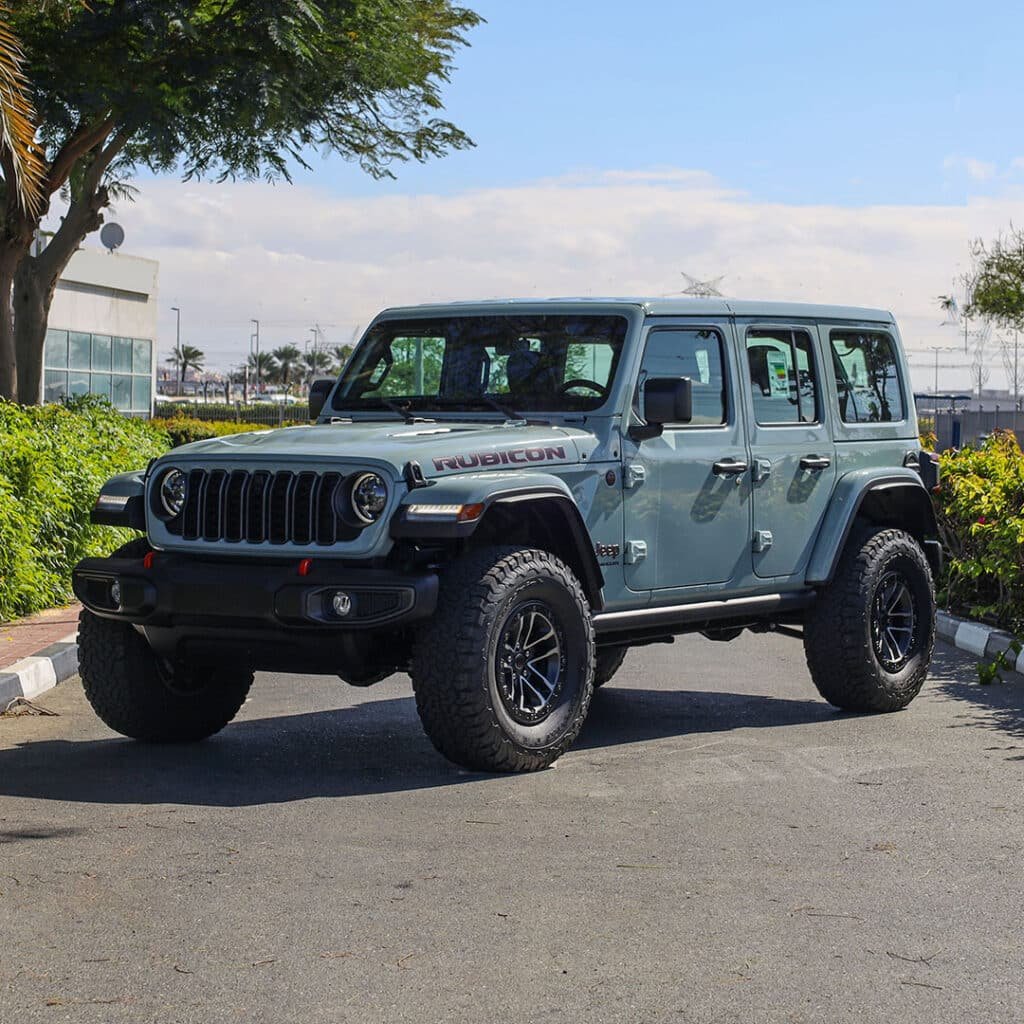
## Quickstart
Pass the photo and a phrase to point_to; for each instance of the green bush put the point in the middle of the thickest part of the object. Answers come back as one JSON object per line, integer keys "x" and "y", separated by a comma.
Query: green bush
{"x": 53, "y": 461}
{"x": 980, "y": 509}
{"x": 184, "y": 430}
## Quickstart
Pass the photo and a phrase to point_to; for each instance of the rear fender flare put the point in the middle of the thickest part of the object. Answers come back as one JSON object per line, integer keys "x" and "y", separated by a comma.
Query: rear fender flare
{"x": 896, "y": 497}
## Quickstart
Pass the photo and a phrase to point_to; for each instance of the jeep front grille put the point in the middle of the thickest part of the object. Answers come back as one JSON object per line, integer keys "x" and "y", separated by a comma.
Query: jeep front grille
{"x": 260, "y": 507}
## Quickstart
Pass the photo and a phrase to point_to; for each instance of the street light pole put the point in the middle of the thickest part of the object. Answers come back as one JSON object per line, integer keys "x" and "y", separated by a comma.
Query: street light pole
{"x": 257, "y": 323}
{"x": 177, "y": 348}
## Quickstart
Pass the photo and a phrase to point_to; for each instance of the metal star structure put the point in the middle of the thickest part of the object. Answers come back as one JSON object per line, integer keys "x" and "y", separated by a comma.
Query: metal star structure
{"x": 702, "y": 289}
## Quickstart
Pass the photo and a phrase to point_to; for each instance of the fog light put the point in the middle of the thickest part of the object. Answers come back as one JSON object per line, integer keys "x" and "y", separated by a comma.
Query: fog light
{"x": 115, "y": 593}
{"x": 341, "y": 603}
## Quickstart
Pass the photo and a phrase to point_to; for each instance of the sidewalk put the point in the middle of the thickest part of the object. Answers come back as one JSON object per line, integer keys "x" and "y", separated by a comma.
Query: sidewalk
{"x": 37, "y": 652}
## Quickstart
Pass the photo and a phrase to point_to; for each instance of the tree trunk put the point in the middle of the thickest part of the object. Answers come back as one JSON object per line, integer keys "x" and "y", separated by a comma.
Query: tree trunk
{"x": 8, "y": 361}
{"x": 32, "y": 298}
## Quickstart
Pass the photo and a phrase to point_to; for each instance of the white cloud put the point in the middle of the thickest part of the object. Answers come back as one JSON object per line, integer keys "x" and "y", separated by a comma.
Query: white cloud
{"x": 976, "y": 170}
{"x": 295, "y": 255}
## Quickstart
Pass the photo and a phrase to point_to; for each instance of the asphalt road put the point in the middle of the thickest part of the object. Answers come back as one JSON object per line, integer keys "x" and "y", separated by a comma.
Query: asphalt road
{"x": 719, "y": 846}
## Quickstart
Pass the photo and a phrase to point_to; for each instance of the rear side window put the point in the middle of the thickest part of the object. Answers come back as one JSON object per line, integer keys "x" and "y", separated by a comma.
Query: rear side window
{"x": 867, "y": 377}
{"x": 783, "y": 379}
{"x": 697, "y": 354}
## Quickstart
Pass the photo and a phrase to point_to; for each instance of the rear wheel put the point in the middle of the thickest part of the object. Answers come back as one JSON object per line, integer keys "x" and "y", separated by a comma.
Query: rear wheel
{"x": 503, "y": 672}
{"x": 869, "y": 636}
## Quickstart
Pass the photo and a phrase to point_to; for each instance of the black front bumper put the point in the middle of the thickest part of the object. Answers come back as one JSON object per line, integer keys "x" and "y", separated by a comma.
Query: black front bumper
{"x": 184, "y": 593}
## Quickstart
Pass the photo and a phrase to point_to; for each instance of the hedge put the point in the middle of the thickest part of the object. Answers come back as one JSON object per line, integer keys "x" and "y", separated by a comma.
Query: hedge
{"x": 53, "y": 461}
{"x": 980, "y": 510}
{"x": 184, "y": 430}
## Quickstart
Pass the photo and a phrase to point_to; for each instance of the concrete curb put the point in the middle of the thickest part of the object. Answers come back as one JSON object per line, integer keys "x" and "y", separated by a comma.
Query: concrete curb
{"x": 985, "y": 642}
{"x": 32, "y": 676}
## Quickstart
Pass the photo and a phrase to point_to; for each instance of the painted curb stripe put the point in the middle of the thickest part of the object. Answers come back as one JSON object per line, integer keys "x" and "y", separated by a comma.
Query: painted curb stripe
{"x": 33, "y": 676}
{"x": 972, "y": 637}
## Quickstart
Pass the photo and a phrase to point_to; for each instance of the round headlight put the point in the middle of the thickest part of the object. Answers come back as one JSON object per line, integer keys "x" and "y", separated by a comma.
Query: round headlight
{"x": 173, "y": 491}
{"x": 369, "y": 497}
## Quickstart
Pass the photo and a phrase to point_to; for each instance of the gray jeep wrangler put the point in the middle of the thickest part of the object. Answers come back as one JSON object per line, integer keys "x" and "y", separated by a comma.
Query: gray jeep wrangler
{"x": 503, "y": 498}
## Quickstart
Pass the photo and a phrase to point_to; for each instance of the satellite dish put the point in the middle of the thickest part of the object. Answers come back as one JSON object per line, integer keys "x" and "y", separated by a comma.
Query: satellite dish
{"x": 112, "y": 236}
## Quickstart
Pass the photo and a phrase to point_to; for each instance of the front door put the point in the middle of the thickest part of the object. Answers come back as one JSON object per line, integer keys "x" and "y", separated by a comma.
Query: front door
{"x": 687, "y": 493}
{"x": 794, "y": 457}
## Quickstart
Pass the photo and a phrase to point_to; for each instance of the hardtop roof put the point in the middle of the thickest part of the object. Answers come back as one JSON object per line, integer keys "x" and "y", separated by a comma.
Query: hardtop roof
{"x": 652, "y": 306}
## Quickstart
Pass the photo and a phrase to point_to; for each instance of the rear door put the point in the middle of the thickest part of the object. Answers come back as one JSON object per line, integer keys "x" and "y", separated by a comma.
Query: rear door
{"x": 791, "y": 445}
{"x": 686, "y": 497}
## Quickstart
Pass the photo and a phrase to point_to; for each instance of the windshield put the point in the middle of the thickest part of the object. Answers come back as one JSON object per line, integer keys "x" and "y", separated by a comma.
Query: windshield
{"x": 507, "y": 363}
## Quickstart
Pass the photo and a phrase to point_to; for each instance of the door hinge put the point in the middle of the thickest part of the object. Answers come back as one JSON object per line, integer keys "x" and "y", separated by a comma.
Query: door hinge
{"x": 762, "y": 470}
{"x": 762, "y": 540}
{"x": 633, "y": 475}
{"x": 636, "y": 551}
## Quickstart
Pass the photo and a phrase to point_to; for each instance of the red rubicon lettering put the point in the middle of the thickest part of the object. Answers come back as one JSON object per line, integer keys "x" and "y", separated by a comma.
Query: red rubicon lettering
{"x": 500, "y": 458}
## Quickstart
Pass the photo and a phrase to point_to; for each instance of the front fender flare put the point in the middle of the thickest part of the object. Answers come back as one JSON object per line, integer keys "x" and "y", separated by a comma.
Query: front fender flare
{"x": 894, "y": 497}
{"x": 122, "y": 502}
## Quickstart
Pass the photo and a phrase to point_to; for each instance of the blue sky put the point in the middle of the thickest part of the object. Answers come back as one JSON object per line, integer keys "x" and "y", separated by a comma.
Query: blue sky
{"x": 849, "y": 103}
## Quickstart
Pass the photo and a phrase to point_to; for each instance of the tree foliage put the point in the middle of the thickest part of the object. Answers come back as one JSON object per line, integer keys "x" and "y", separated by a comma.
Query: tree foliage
{"x": 207, "y": 88}
{"x": 998, "y": 293}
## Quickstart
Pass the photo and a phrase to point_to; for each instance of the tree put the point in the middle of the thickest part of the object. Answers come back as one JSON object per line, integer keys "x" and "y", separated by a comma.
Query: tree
{"x": 212, "y": 88}
{"x": 287, "y": 357}
{"x": 263, "y": 367}
{"x": 316, "y": 362}
{"x": 341, "y": 355}
{"x": 185, "y": 357}
{"x": 999, "y": 286}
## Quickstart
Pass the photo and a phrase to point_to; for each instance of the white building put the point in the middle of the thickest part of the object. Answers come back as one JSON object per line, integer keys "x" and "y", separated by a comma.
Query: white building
{"x": 102, "y": 331}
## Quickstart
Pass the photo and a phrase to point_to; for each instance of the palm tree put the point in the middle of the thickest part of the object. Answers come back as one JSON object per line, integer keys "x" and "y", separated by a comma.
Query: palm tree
{"x": 20, "y": 155}
{"x": 265, "y": 363}
{"x": 189, "y": 355}
{"x": 316, "y": 362}
{"x": 341, "y": 354}
{"x": 287, "y": 357}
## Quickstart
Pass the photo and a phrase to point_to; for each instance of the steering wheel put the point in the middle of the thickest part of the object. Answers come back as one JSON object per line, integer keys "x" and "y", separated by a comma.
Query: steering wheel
{"x": 582, "y": 382}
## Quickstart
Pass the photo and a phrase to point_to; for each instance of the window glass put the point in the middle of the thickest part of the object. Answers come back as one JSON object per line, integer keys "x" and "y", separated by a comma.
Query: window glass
{"x": 143, "y": 355}
{"x": 100, "y": 385}
{"x": 100, "y": 352}
{"x": 122, "y": 355}
{"x": 867, "y": 377}
{"x": 520, "y": 362}
{"x": 140, "y": 394}
{"x": 80, "y": 351}
{"x": 121, "y": 392}
{"x": 55, "y": 385}
{"x": 697, "y": 354}
{"x": 78, "y": 384}
{"x": 783, "y": 379}
{"x": 56, "y": 348}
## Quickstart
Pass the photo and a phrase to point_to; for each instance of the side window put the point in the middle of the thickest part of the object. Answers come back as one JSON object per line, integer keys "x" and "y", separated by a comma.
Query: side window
{"x": 697, "y": 354}
{"x": 783, "y": 377}
{"x": 867, "y": 377}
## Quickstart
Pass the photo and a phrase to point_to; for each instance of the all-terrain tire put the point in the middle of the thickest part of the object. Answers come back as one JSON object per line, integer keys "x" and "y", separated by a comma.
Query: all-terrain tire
{"x": 607, "y": 662}
{"x": 841, "y": 645}
{"x": 461, "y": 693}
{"x": 138, "y": 696}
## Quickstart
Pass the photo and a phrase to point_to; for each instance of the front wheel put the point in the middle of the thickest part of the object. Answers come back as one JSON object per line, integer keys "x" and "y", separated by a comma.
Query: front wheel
{"x": 869, "y": 636}
{"x": 504, "y": 671}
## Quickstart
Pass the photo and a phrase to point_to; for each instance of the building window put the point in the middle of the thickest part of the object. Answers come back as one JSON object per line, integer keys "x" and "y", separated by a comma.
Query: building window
{"x": 118, "y": 369}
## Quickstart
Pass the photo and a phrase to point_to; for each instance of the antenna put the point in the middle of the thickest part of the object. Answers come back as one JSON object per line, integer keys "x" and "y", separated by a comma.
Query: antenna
{"x": 112, "y": 236}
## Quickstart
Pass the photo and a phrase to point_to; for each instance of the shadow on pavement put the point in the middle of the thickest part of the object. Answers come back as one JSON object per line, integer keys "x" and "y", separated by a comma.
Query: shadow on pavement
{"x": 999, "y": 706}
{"x": 373, "y": 747}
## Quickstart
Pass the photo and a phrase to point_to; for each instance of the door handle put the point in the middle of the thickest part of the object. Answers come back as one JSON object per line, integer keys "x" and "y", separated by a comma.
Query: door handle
{"x": 815, "y": 462}
{"x": 729, "y": 467}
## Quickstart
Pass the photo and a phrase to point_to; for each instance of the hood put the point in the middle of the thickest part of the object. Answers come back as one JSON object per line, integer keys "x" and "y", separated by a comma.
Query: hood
{"x": 440, "y": 448}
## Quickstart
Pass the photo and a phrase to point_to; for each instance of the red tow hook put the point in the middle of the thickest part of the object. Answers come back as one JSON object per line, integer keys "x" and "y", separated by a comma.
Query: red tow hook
{"x": 305, "y": 566}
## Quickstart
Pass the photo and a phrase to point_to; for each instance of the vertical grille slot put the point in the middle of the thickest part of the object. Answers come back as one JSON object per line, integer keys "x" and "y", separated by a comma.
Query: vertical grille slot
{"x": 279, "y": 518}
{"x": 191, "y": 515}
{"x": 302, "y": 508}
{"x": 256, "y": 508}
{"x": 234, "y": 506}
{"x": 213, "y": 505}
{"x": 326, "y": 517}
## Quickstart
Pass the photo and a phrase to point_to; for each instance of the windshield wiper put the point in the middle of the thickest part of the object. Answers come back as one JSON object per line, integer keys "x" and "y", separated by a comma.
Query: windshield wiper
{"x": 402, "y": 410}
{"x": 507, "y": 411}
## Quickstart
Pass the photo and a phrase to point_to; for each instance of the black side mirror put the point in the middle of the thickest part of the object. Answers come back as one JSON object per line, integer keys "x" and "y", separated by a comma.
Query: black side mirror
{"x": 668, "y": 400}
{"x": 318, "y": 392}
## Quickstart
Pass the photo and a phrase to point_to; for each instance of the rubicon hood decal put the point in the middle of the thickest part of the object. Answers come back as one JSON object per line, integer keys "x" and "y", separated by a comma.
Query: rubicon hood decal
{"x": 501, "y": 457}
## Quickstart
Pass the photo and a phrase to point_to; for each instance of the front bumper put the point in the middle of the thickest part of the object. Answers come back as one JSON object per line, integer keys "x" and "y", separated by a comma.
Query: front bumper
{"x": 174, "y": 591}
